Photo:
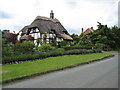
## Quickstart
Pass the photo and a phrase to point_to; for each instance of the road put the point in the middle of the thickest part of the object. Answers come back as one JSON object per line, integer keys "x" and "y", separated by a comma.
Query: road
{"x": 102, "y": 74}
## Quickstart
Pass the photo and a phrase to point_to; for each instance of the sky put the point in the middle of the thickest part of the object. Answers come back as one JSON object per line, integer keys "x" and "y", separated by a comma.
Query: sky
{"x": 73, "y": 14}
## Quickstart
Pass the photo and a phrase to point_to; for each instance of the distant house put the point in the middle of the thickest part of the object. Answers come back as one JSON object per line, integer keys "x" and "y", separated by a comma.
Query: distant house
{"x": 41, "y": 26}
{"x": 87, "y": 31}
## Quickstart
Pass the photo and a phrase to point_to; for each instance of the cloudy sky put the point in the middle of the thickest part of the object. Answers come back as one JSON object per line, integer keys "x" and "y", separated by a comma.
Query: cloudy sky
{"x": 73, "y": 14}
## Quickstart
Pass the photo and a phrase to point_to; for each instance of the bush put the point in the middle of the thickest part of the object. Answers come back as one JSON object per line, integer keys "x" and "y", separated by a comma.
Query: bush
{"x": 57, "y": 52}
{"x": 7, "y": 51}
{"x": 82, "y": 51}
{"x": 25, "y": 47}
{"x": 77, "y": 47}
{"x": 99, "y": 46}
{"x": 62, "y": 44}
{"x": 46, "y": 48}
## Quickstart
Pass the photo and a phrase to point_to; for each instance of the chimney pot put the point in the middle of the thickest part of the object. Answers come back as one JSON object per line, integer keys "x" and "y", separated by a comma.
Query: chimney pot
{"x": 82, "y": 30}
{"x": 92, "y": 28}
{"x": 52, "y": 14}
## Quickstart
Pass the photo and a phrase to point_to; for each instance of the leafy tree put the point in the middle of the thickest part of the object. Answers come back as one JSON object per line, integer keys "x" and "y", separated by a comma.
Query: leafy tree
{"x": 76, "y": 38}
{"x": 107, "y": 36}
{"x": 115, "y": 35}
{"x": 104, "y": 36}
{"x": 84, "y": 41}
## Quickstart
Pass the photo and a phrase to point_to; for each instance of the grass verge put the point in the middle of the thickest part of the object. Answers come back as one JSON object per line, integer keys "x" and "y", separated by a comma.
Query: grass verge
{"x": 28, "y": 69}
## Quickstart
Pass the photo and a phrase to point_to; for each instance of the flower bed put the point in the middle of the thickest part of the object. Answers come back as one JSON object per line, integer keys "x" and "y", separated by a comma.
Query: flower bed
{"x": 59, "y": 52}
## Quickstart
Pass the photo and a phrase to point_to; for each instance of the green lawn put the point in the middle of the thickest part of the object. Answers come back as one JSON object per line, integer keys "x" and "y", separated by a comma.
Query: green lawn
{"x": 15, "y": 71}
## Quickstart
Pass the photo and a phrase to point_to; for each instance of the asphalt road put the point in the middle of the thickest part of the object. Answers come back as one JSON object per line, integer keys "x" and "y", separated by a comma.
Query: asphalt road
{"x": 102, "y": 74}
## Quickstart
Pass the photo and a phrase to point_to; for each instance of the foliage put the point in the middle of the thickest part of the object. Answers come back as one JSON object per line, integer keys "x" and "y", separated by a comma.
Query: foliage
{"x": 102, "y": 38}
{"x": 4, "y": 42}
{"x": 22, "y": 70}
{"x": 82, "y": 35}
{"x": 7, "y": 51}
{"x": 115, "y": 35}
{"x": 76, "y": 38}
{"x": 81, "y": 51}
{"x": 25, "y": 47}
{"x": 39, "y": 42}
{"x": 108, "y": 36}
{"x": 118, "y": 50}
{"x": 99, "y": 46}
{"x": 44, "y": 38}
{"x": 53, "y": 42}
{"x": 76, "y": 47}
{"x": 57, "y": 52}
{"x": 84, "y": 42}
{"x": 46, "y": 48}
{"x": 11, "y": 37}
{"x": 62, "y": 44}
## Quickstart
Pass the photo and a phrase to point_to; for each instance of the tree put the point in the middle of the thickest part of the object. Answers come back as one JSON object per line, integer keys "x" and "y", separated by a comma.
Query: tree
{"x": 105, "y": 35}
{"x": 76, "y": 38}
{"x": 115, "y": 35}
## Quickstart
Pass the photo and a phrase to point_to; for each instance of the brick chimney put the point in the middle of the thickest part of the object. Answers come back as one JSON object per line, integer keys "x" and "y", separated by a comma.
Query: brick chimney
{"x": 82, "y": 30}
{"x": 92, "y": 28}
{"x": 52, "y": 14}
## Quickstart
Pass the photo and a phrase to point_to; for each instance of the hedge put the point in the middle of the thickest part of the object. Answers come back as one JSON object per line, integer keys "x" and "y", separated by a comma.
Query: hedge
{"x": 86, "y": 48}
{"x": 58, "y": 52}
{"x": 76, "y": 47}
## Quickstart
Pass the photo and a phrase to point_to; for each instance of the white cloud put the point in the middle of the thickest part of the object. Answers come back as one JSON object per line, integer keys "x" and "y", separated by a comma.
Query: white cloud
{"x": 73, "y": 14}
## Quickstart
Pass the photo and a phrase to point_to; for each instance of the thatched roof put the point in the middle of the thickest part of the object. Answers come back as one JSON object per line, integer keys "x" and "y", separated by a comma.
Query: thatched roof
{"x": 45, "y": 24}
{"x": 65, "y": 36}
{"x": 25, "y": 29}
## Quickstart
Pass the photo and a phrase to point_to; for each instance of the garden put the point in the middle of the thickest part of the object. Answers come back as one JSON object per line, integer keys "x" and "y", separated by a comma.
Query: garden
{"x": 25, "y": 59}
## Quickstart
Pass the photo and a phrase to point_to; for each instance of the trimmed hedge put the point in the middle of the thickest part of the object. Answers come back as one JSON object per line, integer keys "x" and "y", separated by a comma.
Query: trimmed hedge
{"x": 76, "y": 47}
{"x": 58, "y": 52}
{"x": 86, "y": 48}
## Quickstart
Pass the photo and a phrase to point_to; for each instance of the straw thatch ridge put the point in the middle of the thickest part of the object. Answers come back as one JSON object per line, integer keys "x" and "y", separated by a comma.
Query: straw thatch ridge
{"x": 45, "y": 24}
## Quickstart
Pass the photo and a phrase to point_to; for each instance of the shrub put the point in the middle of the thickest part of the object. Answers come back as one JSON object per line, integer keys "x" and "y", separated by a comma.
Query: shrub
{"x": 99, "y": 46}
{"x": 57, "y": 52}
{"x": 77, "y": 47}
{"x": 46, "y": 48}
{"x": 62, "y": 44}
{"x": 25, "y": 47}
{"x": 7, "y": 51}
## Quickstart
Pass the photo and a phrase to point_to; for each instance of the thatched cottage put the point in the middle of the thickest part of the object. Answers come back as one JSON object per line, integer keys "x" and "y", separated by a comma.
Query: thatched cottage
{"x": 45, "y": 28}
